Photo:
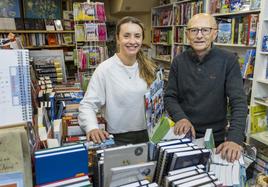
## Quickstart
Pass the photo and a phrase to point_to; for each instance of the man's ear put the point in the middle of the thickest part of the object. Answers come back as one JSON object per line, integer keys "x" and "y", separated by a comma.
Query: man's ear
{"x": 187, "y": 35}
{"x": 215, "y": 34}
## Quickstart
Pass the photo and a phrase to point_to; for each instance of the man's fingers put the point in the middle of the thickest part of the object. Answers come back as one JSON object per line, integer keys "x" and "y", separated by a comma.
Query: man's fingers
{"x": 229, "y": 154}
{"x": 193, "y": 132}
{"x": 219, "y": 148}
{"x": 238, "y": 155}
{"x": 181, "y": 129}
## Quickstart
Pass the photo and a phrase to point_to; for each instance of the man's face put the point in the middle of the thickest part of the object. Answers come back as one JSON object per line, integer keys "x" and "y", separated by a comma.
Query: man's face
{"x": 201, "y": 32}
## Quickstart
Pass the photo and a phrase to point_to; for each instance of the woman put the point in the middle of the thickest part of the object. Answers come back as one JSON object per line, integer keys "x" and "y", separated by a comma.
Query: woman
{"x": 118, "y": 86}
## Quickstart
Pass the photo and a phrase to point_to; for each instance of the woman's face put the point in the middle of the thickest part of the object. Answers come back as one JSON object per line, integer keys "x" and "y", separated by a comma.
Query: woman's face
{"x": 130, "y": 39}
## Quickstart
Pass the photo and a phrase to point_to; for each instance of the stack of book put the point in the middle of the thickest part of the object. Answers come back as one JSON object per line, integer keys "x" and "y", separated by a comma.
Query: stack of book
{"x": 238, "y": 30}
{"x": 176, "y": 154}
{"x": 123, "y": 165}
{"x": 230, "y": 174}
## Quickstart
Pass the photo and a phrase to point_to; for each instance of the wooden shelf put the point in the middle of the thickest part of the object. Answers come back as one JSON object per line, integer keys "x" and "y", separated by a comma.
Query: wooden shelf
{"x": 161, "y": 43}
{"x": 263, "y": 52}
{"x": 234, "y": 45}
{"x": 162, "y": 26}
{"x": 161, "y": 60}
{"x": 175, "y": 43}
{"x": 261, "y": 137}
{"x": 261, "y": 103}
{"x": 264, "y": 81}
{"x": 48, "y": 46}
{"x": 236, "y": 13}
{"x": 35, "y": 31}
{"x": 180, "y": 25}
{"x": 163, "y": 6}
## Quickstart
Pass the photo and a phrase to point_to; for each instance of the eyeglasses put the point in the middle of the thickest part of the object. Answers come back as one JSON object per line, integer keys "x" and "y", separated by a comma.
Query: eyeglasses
{"x": 204, "y": 31}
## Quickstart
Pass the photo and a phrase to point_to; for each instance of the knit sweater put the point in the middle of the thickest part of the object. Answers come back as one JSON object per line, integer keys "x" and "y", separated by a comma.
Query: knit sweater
{"x": 199, "y": 91}
{"x": 119, "y": 91}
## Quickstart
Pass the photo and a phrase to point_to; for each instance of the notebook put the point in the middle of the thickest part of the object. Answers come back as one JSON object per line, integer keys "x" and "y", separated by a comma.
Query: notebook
{"x": 122, "y": 156}
{"x": 15, "y": 95}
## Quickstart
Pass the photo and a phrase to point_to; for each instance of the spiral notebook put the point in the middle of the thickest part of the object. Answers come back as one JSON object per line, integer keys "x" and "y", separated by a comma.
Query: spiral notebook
{"x": 15, "y": 87}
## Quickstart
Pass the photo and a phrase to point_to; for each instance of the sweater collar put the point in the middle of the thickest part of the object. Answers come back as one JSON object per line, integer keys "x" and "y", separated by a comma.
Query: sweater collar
{"x": 195, "y": 58}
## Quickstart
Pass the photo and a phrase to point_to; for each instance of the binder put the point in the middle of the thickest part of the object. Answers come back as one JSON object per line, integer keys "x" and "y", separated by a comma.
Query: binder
{"x": 15, "y": 96}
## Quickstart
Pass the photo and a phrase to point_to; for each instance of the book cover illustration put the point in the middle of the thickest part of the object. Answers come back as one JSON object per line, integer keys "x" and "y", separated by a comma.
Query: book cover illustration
{"x": 88, "y": 10}
{"x": 100, "y": 12}
{"x": 58, "y": 25}
{"x": 154, "y": 104}
{"x": 48, "y": 9}
{"x": 10, "y": 9}
{"x": 225, "y": 32}
{"x": 91, "y": 32}
{"x": 79, "y": 33}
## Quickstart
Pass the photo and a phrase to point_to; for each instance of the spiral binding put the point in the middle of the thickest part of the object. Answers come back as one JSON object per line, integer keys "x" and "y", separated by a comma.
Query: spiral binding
{"x": 25, "y": 86}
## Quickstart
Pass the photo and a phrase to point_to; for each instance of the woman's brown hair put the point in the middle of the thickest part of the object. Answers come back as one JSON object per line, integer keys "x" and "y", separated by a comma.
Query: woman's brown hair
{"x": 146, "y": 67}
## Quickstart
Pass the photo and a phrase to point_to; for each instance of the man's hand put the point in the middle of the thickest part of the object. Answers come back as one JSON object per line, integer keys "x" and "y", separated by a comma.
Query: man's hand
{"x": 97, "y": 135}
{"x": 183, "y": 126}
{"x": 230, "y": 151}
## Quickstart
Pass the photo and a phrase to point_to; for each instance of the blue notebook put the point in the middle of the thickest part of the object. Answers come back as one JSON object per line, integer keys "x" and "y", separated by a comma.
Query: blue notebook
{"x": 60, "y": 163}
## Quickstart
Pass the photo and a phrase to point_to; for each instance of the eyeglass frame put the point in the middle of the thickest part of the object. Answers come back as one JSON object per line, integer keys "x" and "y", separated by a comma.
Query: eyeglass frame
{"x": 200, "y": 30}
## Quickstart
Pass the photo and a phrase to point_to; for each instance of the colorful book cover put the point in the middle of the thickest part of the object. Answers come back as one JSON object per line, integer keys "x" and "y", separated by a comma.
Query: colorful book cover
{"x": 225, "y": 32}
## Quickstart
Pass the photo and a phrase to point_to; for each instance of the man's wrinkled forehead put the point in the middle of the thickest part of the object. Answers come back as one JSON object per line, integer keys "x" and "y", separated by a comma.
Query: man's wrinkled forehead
{"x": 202, "y": 20}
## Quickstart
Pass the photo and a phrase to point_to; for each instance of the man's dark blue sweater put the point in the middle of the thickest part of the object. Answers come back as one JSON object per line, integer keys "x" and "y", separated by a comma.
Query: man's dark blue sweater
{"x": 199, "y": 90}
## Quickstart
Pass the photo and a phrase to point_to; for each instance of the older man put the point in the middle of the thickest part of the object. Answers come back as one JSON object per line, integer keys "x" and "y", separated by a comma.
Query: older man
{"x": 201, "y": 80}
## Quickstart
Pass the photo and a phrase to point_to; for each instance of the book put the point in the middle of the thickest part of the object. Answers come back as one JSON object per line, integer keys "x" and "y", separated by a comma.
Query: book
{"x": 58, "y": 25}
{"x": 235, "y": 5}
{"x": 136, "y": 183}
{"x": 252, "y": 29}
{"x": 79, "y": 33}
{"x": 209, "y": 139}
{"x": 192, "y": 178}
{"x": 15, "y": 156}
{"x": 43, "y": 59}
{"x": 186, "y": 174}
{"x": 255, "y": 4}
{"x": 60, "y": 163}
{"x": 123, "y": 155}
{"x": 15, "y": 96}
{"x": 131, "y": 173}
{"x": 50, "y": 26}
{"x": 189, "y": 158}
{"x": 199, "y": 182}
{"x": 79, "y": 181}
{"x": 11, "y": 179}
{"x": 100, "y": 12}
{"x": 167, "y": 160}
{"x": 178, "y": 171}
{"x": 225, "y": 31}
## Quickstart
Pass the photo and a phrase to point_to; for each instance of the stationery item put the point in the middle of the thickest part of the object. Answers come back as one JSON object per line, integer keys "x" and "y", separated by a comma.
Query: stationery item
{"x": 15, "y": 94}
{"x": 123, "y": 155}
{"x": 60, "y": 163}
{"x": 131, "y": 173}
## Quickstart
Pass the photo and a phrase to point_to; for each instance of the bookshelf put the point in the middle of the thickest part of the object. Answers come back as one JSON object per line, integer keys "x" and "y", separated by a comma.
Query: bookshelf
{"x": 36, "y": 39}
{"x": 168, "y": 29}
{"x": 260, "y": 78}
